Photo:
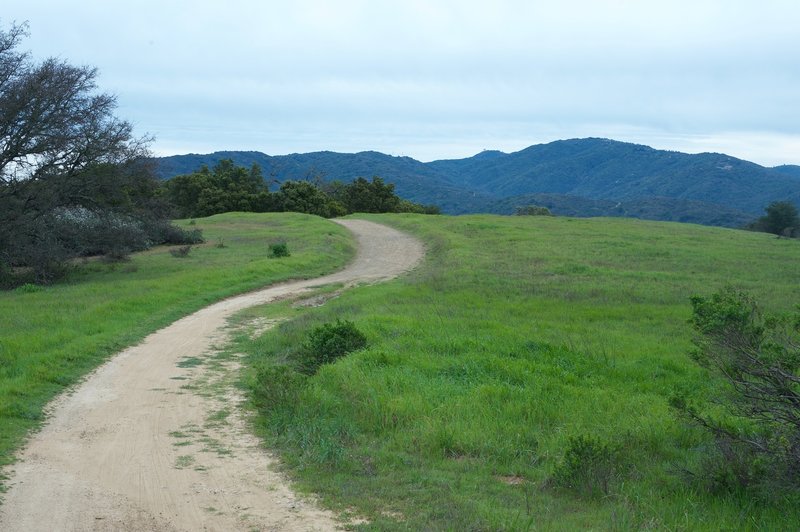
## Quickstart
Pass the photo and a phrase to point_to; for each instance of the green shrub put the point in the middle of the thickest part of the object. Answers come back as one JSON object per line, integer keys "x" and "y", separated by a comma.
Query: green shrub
{"x": 588, "y": 467}
{"x": 166, "y": 233}
{"x": 329, "y": 342}
{"x": 278, "y": 249}
{"x": 532, "y": 210}
{"x": 756, "y": 414}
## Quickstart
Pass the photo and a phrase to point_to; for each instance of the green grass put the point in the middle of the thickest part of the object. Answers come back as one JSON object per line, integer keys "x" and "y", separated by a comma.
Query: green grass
{"x": 515, "y": 336}
{"x": 50, "y": 337}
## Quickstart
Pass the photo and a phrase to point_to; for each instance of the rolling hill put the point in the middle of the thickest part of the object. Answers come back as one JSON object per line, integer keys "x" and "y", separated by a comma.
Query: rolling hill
{"x": 578, "y": 177}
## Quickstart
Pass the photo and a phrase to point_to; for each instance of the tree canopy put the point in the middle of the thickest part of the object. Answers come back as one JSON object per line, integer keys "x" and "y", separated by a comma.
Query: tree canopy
{"x": 225, "y": 188}
{"x": 781, "y": 219}
{"x": 70, "y": 171}
{"x": 228, "y": 187}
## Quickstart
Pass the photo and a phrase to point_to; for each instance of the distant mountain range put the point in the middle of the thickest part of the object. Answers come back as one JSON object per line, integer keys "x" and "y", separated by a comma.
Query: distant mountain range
{"x": 579, "y": 177}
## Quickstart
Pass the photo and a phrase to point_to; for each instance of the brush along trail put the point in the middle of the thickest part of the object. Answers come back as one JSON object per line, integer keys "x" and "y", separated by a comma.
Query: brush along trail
{"x": 155, "y": 440}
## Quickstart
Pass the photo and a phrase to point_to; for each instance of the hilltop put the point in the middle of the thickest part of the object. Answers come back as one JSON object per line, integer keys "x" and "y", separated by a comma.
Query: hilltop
{"x": 577, "y": 177}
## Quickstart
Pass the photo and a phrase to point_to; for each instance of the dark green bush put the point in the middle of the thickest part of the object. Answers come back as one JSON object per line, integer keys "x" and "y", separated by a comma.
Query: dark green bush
{"x": 755, "y": 415}
{"x": 532, "y": 210}
{"x": 278, "y": 249}
{"x": 588, "y": 467}
{"x": 329, "y": 342}
{"x": 163, "y": 232}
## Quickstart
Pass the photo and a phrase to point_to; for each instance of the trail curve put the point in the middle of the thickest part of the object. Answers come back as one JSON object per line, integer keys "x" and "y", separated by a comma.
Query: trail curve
{"x": 134, "y": 448}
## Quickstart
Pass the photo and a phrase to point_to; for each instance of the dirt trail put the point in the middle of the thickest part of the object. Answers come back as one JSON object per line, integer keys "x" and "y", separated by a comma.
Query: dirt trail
{"x": 135, "y": 448}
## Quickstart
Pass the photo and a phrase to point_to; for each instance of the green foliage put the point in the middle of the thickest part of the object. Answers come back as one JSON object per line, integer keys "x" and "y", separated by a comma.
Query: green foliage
{"x": 603, "y": 169}
{"x": 516, "y": 335}
{"x": 533, "y": 210}
{"x": 660, "y": 208}
{"x": 73, "y": 180}
{"x": 781, "y": 219}
{"x": 302, "y": 196}
{"x": 277, "y": 388}
{"x": 589, "y": 467}
{"x": 578, "y": 177}
{"x": 226, "y": 188}
{"x": 278, "y": 250}
{"x": 28, "y": 288}
{"x": 758, "y": 357}
{"x": 50, "y": 337}
{"x": 414, "y": 180}
{"x": 171, "y": 235}
{"x": 232, "y": 188}
{"x": 369, "y": 196}
{"x": 328, "y": 343}
{"x": 416, "y": 208}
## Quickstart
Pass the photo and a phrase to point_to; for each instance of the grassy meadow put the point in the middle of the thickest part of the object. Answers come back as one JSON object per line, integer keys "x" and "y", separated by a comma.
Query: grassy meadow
{"x": 51, "y": 336}
{"x": 515, "y": 341}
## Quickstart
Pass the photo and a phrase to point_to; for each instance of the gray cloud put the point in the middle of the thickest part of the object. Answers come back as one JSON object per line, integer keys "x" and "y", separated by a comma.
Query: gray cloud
{"x": 440, "y": 79}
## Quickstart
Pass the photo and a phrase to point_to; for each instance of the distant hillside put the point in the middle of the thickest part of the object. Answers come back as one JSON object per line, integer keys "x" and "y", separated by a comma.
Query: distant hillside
{"x": 607, "y": 169}
{"x": 579, "y": 177}
{"x": 789, "y": 169}
{"x": 663, "y": 209}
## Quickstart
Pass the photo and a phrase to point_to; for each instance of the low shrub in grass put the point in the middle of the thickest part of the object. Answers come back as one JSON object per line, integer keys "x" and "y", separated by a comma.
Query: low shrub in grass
{"x": 45, "y": 253}
{"x": 756, "y": 416}
{"x": 166, "y": 233}
{"x": 329, "y": 342}
{"x": 278, "y": 250}
{"x": 589, "y": 467}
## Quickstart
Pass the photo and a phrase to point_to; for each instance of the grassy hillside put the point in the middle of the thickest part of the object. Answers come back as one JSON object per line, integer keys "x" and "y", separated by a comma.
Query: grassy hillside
{"x": 50, "y": 337}
{"x": 516, "y": 336}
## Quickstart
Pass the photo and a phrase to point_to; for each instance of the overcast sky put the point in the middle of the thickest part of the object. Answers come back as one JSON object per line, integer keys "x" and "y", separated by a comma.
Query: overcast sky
{"x": 438, "y": 79}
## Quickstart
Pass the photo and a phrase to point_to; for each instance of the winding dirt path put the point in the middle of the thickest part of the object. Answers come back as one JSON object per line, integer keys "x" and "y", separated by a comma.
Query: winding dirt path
{"x": 153, "y": 439}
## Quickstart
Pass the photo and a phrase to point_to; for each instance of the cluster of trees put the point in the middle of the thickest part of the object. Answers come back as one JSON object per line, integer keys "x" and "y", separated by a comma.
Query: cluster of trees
{"x": 73, "y": 179}
{"x": 532, "y": 210}
{"x": 781, "y": 219}
{"x": 228, "y": 187}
